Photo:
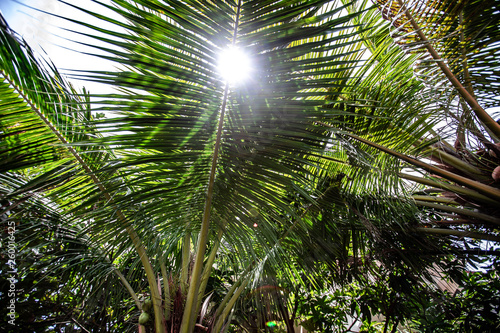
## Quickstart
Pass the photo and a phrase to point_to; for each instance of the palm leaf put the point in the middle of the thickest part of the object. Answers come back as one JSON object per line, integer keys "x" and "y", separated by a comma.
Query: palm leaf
{"x": 169, "y": 121}
{"x": 42, "y": 118}
{"x": 280, "y": 166}
{"x": 460, "y": 39}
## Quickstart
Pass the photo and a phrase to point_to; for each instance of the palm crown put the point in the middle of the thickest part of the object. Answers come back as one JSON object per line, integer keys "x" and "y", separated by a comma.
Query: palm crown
{"x": 188, "y": 173}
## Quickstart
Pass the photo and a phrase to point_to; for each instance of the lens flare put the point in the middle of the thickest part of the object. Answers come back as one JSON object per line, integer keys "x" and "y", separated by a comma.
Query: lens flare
{"x": 234, "y": 65}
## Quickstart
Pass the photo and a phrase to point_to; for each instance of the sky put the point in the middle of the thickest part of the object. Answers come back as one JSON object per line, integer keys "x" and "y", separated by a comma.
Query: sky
{"x": 48, "y": 35}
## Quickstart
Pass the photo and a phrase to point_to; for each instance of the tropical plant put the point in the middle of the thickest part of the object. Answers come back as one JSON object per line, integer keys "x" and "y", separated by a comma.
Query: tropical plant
{"x": 450, "y": 139}
{"x": 185, "y": 152}
{"x": 194, "y": 189}
{"x": 404, "y": 117}
{"x": 473, "y": 307}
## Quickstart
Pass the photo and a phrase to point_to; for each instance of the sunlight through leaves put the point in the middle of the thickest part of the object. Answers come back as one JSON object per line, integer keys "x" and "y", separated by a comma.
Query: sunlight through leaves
{"x": 234, "y": 65}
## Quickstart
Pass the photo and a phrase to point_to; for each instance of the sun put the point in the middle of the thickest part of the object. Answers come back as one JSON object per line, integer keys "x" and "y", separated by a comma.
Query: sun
{"x": 234, "y": 65}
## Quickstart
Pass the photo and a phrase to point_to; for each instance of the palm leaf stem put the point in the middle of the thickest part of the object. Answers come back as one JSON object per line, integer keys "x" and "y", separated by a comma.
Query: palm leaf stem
{"x": 458, "y": 233}
{"x": 208, "y": 266}
{"x": 129, "y": 288}
{"x": 454, "y": 221}
{"x": 122, "y": 278}
{"x": 189, "y": 315}
{"x": 225, "y": 328}
{"x": 166, "y": 289}
{"x": 438, "y": 155}
{"x": 486, "y": 119}
{"x": 482, "y": 188}
{"x": 441, "y": 156}
{"x": 228, "y": 308}
{"x": 457, "y": 210}
{"x": 186, "y": 258}
{"x": 47, "y": 122}
{"x": 429, "y": 198}
{"x": 141, "y": 251}
{"x": 450, "y": 187}
{"x": 231, "y": 291}
{"x": 150, "y": 274}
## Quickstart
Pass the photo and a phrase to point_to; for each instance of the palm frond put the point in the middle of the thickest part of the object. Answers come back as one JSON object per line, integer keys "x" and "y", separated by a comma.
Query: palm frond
{"x": 460, "y": 40}
{"x": 253, "y": 175}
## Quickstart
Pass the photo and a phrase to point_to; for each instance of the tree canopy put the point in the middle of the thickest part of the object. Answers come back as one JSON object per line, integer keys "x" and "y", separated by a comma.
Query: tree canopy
{"x": 358, "y": 158}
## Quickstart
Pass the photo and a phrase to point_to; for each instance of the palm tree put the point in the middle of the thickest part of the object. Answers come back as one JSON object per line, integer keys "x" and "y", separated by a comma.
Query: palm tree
{"x": 185, "y": 160}
{"x": 190, "y": 172}
{"x": 441, "y": 128}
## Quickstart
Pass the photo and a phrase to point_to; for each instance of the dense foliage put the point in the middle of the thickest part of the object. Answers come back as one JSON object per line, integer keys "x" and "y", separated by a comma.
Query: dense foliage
{"x": 351, "y": 171}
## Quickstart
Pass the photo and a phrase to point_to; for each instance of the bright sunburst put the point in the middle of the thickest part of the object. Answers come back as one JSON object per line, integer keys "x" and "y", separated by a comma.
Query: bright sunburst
{"x": 234, "y": 65}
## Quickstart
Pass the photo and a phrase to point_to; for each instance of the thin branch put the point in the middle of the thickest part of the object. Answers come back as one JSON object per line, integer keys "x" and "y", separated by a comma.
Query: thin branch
{"x": 80, "y": 325}
{"x": 353, "y": 322}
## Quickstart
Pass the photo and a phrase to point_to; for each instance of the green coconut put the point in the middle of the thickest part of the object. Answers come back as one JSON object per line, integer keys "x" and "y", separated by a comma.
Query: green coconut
{"x": 148, "y": 304}
{"x": 143, "y": 318}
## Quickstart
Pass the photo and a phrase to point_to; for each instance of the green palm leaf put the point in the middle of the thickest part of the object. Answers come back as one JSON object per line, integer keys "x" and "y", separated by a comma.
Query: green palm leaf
{"x": 167, "y": 131}
{"x": 460, "y": 42}
{"x": 286, "y": 164}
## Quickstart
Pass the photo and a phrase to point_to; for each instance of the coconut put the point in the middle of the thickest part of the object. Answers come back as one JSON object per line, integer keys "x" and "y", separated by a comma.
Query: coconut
{"x": 143, "y": 318}
{"x": 147, "y": 305}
